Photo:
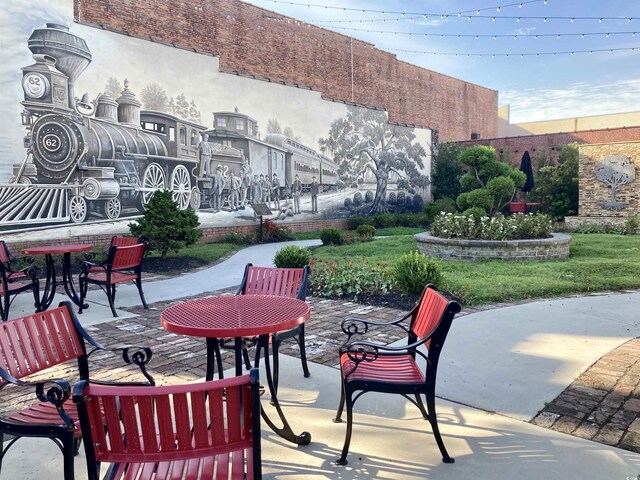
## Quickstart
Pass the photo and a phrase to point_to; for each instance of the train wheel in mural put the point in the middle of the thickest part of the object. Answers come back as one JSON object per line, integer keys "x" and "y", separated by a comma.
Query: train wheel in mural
{"x": 180, "y": 186}
{"x": 152, "y": 180}
{"x": 196, "y": 198}
{"x": 112, "y": 208}
{"x": 77, "y": 209}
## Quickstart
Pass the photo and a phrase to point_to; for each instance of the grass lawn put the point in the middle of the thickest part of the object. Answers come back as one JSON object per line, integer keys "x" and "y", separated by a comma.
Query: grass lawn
{"x": 598, "y": 262}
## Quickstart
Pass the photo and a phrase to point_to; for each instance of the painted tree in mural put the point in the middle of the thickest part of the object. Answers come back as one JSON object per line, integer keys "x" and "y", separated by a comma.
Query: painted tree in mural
{"x": 154, "y": 97}
{"x": 615, "y": 170}
{"x": 364, "y": 140}
{"x": 113, "y": 88}
{"x": 273, "y": 126}
{"x": 194, "y": 113}
{"x": 182, "y": 106}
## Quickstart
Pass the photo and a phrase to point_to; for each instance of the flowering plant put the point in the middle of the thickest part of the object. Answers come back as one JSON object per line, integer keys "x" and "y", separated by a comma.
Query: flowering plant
{"x": 498, "y": 227}
{"x": 348, "y": 277}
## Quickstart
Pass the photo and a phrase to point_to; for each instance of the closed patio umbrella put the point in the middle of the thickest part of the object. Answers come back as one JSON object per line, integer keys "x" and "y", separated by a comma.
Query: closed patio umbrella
{"x": 525, "y": 166}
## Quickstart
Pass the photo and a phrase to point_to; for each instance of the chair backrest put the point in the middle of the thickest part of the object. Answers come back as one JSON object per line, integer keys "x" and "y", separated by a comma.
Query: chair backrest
{"x": 432, "y": 318}
{"x": 124, "y": 424}
{"x": 282, "y": 282}
{"x": 39, "y": 341}
{"x": 121, "y": 241}
{"x": 125, "y": 258}
{"x": 517, "y": 207}
{"x": 5, "y": 255}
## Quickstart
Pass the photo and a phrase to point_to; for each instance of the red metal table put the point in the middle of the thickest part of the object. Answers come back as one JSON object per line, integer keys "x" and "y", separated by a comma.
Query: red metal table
{"x": 238, "y": 316}
{"x": 67, "y": 278}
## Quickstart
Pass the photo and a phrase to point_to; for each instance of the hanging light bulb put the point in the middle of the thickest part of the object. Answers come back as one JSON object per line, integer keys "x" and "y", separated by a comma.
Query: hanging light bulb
{"x": 607, "y": 35}
{"x": 498, "y": 9}
{"x": 573, "y": 20}
{"x": 478, "y": 13}
{"x": 545, "y": 19}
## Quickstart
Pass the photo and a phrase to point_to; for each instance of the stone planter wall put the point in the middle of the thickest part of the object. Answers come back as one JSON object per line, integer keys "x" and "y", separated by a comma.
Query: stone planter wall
{"x": 554, "y": 248}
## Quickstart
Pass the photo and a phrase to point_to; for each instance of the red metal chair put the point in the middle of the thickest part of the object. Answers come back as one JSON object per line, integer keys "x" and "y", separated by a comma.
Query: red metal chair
{"x": 123, "y": 264}
{"x": 208, "y": 430}
{"x": 517, "y": 207}
{"x": 284, "y": 282}
{"x": 31, "y": 344}
{"x": 370, "y": 367}
{"x": 15, "y": 281}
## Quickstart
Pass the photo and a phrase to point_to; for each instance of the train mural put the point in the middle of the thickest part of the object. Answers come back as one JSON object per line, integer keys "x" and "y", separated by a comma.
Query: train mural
{"x": 107, "y": 156}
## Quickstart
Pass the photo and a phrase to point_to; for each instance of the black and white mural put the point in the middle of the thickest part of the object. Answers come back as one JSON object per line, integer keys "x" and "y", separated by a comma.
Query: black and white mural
{"x": 95, "y": 122}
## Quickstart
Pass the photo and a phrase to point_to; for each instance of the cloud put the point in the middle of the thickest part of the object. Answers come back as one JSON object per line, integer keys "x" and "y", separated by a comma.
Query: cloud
{"x": 577, "y": 100}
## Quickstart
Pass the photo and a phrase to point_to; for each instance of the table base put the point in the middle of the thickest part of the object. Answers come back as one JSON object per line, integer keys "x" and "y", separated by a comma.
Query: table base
{"x": 52, "y": 283}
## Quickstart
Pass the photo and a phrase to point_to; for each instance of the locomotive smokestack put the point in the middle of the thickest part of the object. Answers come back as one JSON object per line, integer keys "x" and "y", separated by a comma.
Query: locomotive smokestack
{"x": 128, "y": 107}
{"x": 70, "y": 51}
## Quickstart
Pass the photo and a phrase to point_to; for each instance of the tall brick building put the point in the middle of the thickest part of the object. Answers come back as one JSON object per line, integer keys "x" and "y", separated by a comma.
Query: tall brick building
{"x": 259, "y": 43}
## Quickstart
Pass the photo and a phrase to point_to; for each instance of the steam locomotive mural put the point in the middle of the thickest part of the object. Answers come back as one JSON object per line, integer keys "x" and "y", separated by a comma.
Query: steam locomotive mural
{"x": 107, "y": 156}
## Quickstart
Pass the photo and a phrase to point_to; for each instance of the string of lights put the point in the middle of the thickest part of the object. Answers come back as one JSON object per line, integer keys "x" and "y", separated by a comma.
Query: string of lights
{"x": 395, "y": 12}
{"x": 492, "y": 36}
{"x": 521, "y": 55}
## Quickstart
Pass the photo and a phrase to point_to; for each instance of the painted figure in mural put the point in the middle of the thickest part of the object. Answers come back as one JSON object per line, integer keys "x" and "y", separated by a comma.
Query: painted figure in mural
{"x": 217, "y": 185}
{"x": 285, "y": 209}
{"x": 266, "y": 189}
{"x": 204, "y": 154}
{"x": 256, "y": 190}
{"x": 297, "y": 193}
{"x": 275, "y": 191}
{"x": 315, "y": 189}
{"x": 235, "y": 184}
{"x": 246, "y": 181}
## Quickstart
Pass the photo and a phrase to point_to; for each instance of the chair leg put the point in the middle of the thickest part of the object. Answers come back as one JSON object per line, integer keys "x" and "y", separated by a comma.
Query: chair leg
{"x": 303, "y": 352}
{"x": 275, "y": 345}
{"x": 83, "y": 292}
{"x": 68, "y": 454}
{"x": 5, "y": 311}
{"x": 347, "y": 440}
{"x": 338, "y": 418}
{"x": 245, "y": 356}
{"x": 36, "y": 296}
{"x": 420, "y": 405}
{"x": 433, "y": 420}
{"x": 139, "y": 285}
{"x": 110, "y": 298}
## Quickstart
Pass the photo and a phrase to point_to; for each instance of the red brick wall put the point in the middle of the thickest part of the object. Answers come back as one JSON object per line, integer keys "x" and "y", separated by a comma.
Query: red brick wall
{"x": 516, "y": 146}
{"x": 256, "y": 42}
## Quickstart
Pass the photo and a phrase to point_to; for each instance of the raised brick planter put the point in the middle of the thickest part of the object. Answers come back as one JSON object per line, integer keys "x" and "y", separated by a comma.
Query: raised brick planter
{"x": 554, "y": 248}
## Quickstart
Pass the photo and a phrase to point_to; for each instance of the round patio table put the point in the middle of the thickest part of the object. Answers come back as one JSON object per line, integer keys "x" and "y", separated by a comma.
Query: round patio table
{"x": 67, "y": 278}
{"x": 238, "y": 316}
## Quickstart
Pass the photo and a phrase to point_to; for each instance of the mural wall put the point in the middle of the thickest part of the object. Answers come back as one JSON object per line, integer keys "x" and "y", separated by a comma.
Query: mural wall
{"x": 95, "y": 122}
{"x": 609, "y": 180}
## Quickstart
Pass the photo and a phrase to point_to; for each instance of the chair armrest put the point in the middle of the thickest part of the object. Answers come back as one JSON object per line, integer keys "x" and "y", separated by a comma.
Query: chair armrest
{"x": 131, "y": 354}
{"x": 362, "y": 351}
{"x": 30, "y": 271}
{"x": 57, "y": 393}
{"x": 358, "y": 326}
{"x": 86, "y": 265}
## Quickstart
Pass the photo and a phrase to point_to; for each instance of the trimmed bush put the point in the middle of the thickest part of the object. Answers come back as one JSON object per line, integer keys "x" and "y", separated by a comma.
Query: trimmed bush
{"x": 368, "y": 196}
{"x": 413, "y": 271}
{"x": 355, "y": 222}
{"x": 384, "y": 220}
{"x": 292, "y": 257}
{"x": 357, "y": 199}
{"x": 391, "y": 199}
{"x": 366, "y": 232}
{"x": 444, "y": 205}
{"x": 400, "y": 199}
{"x": 331, "y": 236}
{"x": 348, "y": 203}
{"x": 418, "y": 203}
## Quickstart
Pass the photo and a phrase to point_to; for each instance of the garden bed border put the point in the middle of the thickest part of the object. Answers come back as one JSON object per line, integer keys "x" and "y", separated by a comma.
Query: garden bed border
{"x": 554, "y": 248}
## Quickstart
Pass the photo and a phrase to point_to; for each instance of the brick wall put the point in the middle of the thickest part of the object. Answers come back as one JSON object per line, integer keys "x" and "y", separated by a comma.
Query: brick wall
{"x": 516, "y": 146}
{"x": 256, "y": 42}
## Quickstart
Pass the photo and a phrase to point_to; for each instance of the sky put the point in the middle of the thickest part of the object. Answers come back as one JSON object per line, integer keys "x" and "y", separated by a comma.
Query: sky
{"x": 537, "y": 84}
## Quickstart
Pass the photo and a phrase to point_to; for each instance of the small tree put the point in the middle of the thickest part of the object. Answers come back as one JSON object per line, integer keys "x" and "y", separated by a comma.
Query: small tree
{"x": 165, "y": 226}
{"x": 557, "y": 186}
{"x": 447, "y": 172}
{"x": 491, "y": 184}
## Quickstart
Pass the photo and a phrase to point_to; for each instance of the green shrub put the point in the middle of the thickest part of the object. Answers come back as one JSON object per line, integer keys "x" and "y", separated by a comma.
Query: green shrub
{"x": 412, "y": 220}
{"x": 292, "y": 256}
{"x": 479, "y": 227}
{"x": 632, "y": 225}
{"x": 413, "y": 271}
{"x": 331, "y": 236}
{"x": 447, "y": 172}
{"x": 433, "y": 209}
{"x": 339, "y": 278}
{"x": 366, "y": 232}
{"x": 240, "y": 238}
{"x": 476, "y": 212}
{"x": 165, "y": 226}
{"x": 557, "y": 186}
{"x": 355, "y": 222}
{"x": 382, "y": 220}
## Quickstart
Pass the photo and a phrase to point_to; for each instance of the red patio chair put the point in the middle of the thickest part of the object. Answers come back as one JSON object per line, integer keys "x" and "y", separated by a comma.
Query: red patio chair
{"x": 208, "y": 430}
{"x": 32, "y": 344}
{"x": 15, "y": 281}
{"x": 517, "y": 207}
{"x": 371, "y": 367}
{"x": 284, "y": 282}
{"x": 123, "y": 264}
